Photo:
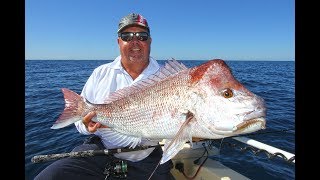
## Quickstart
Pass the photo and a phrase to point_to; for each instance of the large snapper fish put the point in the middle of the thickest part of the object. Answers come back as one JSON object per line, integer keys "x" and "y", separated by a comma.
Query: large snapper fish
{"x": 177, "y": 103}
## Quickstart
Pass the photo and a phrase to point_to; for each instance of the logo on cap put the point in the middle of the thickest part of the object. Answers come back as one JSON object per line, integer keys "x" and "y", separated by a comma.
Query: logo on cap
{"x": 142, "y": 20}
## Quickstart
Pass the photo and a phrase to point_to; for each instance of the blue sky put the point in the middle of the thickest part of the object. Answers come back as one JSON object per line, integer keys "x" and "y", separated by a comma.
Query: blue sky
{"x": 180, "y": 29}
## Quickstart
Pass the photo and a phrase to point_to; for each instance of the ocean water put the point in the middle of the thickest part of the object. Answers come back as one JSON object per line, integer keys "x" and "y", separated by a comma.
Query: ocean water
{"x": 272, "y": 80}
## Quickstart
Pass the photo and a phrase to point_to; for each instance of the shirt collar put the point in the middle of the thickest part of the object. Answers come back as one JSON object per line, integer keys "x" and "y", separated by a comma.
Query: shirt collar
{"x": 152, "y": 67}
{"x": 116, "y": 64}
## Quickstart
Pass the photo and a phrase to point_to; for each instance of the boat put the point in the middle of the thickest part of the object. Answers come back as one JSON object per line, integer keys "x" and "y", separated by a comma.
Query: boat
{"x": 184, "y": 166}
{"x": 187, "y": 163}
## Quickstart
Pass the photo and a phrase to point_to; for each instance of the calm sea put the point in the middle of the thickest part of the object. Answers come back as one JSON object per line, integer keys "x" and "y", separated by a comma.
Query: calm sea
{"x": 272, "y": 80}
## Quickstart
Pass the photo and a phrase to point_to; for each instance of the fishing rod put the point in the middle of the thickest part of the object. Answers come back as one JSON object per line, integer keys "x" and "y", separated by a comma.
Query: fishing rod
{"x": 272, "y": 151}
{"x": 87, "y": 153}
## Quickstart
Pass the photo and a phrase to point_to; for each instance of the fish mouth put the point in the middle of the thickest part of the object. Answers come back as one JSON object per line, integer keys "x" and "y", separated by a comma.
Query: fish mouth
{"x": 247, "y": 126}
{"x": 251, "y": 125}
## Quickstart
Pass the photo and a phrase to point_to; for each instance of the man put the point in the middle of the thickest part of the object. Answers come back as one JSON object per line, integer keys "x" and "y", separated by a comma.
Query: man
{"x": 133, "y": 65}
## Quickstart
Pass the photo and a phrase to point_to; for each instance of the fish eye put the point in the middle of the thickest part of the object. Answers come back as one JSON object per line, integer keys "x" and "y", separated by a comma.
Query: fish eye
{"x": 227, "y": 93}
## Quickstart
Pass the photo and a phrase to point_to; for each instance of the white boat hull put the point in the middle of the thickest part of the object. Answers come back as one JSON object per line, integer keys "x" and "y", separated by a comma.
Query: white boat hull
{"x": 210, "y": 170}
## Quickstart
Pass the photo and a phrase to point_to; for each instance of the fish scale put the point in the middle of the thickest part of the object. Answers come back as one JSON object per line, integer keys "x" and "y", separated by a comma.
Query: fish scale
{"x": 142, "y": 110}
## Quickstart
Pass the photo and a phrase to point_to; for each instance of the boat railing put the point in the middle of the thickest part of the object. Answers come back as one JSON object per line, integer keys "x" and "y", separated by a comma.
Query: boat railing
{"x": 265, "y": 147}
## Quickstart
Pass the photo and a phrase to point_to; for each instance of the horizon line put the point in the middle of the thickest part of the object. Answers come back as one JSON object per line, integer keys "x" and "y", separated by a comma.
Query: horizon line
{"x": 157, "y": 59}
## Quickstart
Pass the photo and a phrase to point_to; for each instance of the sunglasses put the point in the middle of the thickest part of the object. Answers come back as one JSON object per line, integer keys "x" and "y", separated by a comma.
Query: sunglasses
{"x": 128, "y": 36}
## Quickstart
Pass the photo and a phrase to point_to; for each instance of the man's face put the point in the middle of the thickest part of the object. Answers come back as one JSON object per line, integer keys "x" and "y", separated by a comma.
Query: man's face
{"x": 135, "y": 50}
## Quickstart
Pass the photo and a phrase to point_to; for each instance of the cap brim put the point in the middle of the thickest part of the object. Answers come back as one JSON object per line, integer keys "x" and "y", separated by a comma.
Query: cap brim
{"x": 131, "y": 25}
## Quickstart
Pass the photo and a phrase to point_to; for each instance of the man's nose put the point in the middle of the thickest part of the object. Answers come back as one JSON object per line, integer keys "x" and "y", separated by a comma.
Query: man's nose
{"x": 135, "y": 38}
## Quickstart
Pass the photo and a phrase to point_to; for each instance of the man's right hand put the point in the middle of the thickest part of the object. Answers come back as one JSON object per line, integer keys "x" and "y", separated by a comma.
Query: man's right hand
{"x": 90, "y": 125}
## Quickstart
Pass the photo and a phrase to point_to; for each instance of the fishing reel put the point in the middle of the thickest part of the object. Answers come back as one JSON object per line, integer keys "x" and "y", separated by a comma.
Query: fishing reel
{"x": 116, "y": 169}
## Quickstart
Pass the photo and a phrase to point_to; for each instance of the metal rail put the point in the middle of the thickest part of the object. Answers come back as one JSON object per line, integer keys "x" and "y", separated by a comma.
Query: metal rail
{"x": 272, "y": 150}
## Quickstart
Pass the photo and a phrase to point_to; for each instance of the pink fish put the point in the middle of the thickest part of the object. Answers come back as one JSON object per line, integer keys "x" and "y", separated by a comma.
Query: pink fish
{"x": 176, "y": 104}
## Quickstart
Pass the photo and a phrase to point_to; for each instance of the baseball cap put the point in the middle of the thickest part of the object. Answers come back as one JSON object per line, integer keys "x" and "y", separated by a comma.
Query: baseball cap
{"x": 131, "y": 20}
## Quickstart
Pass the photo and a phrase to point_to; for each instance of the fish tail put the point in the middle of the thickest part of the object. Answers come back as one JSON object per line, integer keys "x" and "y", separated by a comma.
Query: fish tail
{"x": 73, "y": 109}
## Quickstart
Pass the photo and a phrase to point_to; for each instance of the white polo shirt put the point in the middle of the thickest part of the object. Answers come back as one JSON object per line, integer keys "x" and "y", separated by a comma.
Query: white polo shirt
{"x": 106, "y": 79}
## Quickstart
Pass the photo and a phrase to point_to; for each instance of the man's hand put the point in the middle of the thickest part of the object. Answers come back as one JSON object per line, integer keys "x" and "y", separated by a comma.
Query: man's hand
{"x": 90, "y": 125}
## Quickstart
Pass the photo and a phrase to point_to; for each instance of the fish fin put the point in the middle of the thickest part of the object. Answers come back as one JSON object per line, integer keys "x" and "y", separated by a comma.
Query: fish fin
{"x": 170, "y": 68}
{"x": 71, "y": 113}
{"x": 172, "y": 147}
{"x": 118, "y": 138}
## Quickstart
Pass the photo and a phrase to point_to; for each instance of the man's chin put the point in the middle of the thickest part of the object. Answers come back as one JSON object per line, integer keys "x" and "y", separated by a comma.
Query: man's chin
{"x": 136, "y": 58}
